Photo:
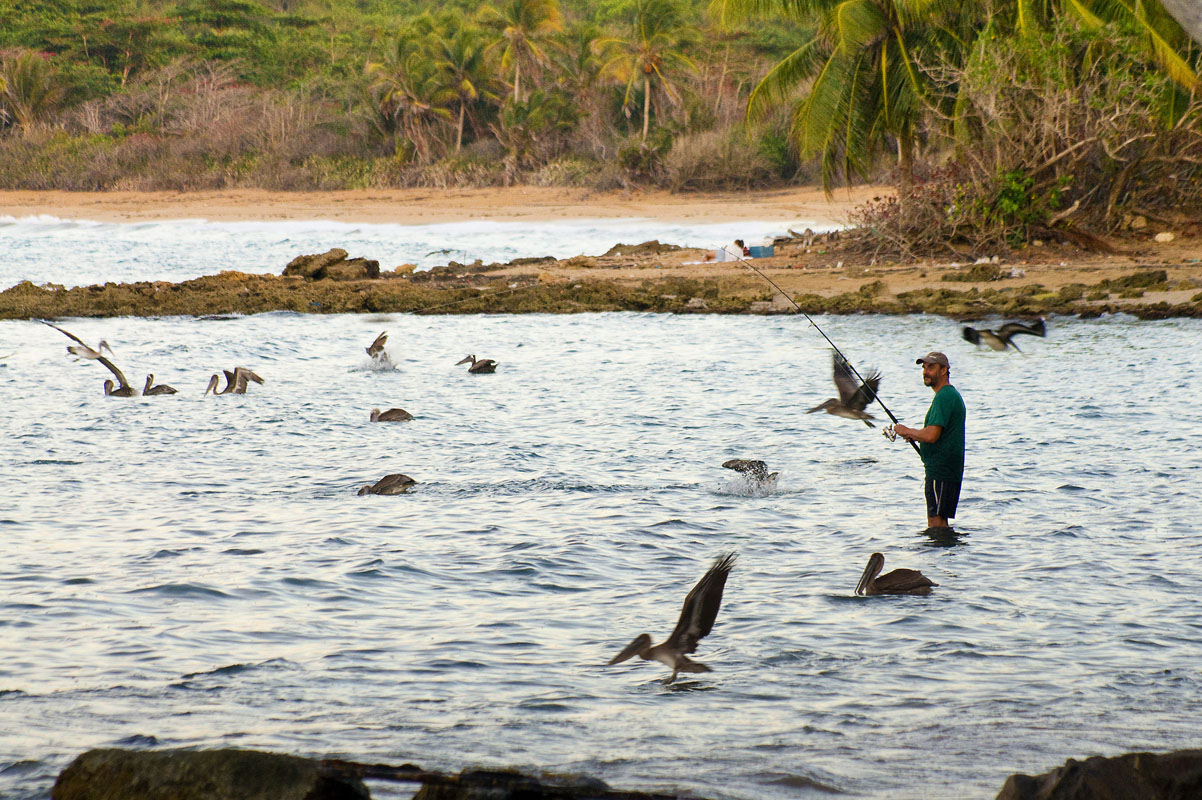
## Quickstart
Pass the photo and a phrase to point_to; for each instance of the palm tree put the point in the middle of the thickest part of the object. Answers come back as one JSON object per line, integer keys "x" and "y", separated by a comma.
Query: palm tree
{"x": 522, "y": 24}
{"x": 651, "y": 53}
{"x": 407, "y": 88}
{"x": 461, "y": 59}
{"x": 867, "y": 83}
{"x": 29, "y": 87}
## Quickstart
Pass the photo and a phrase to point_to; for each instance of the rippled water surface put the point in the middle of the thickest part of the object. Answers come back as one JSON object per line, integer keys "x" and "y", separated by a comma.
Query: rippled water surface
{"x": 198, "y": 571}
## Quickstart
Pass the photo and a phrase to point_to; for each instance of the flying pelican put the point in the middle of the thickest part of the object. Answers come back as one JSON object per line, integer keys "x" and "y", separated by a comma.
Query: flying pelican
{"x": 82, "y": 351}
{"x": 899, "y": 581}
{"x": 391, "y": 415}
{"x": 756, "y": 471}
{"x": 121, "y": 390}
{"x": 1000, "y": 339}
{"x": 396, "y": 483}
{"x": 853, "y": 398}
{"x": 162, "y": 388}
{"x": 480, "y": 367}
{"x": 376, "y": 349}
{"x": 696, "y": 620}
{"x": 236, "y": 382}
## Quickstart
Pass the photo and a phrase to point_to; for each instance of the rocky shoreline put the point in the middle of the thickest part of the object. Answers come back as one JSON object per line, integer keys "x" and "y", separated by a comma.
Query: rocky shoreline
{"x": 820, "y": 274}
{"x": 229, "y": 774}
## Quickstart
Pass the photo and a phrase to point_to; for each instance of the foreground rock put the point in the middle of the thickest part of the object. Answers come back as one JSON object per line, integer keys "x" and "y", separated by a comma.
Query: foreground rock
{"x": 200, "y": 775}
{"x": 113, "y": 774}
{"x": 1134, "y": 776}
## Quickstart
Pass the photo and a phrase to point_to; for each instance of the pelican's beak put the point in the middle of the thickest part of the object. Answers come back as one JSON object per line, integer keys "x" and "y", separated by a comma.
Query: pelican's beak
{"x": 870, "y": 572}
{"x": 816, "y": 408}
{"x": 466, "y": 360}
{"x": 632, "y": 649}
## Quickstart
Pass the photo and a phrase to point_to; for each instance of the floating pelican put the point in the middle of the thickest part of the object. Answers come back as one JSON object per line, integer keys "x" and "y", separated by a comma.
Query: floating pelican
{"x": 395, "y": 483}
{"x": 121, "y": 390}
{"x": 696, "y": 620}
{"x": 756, "y": 471}
{"x": 899, "y": 581}
{"x": 1000, "y": 339}
{"x": 376, "y": 349}
{"x": 112, "y": 390}
{"x": 478, "y": 367}
{"x": 162, "y": 388}
{"x": 236, "y": 382}
{"x": 853, "y": 398}
{"x": 391, "y": 415}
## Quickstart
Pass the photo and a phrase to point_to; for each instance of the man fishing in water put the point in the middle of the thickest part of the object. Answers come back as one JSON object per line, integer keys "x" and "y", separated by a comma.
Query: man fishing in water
{"x": 940, "y": 440}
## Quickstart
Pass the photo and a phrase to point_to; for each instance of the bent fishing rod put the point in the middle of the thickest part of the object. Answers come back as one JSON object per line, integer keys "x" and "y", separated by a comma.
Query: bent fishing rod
{"x": 863, "y": 383}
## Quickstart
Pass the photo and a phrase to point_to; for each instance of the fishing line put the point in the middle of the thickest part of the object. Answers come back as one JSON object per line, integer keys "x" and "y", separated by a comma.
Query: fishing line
{"x": 863, "y": 383}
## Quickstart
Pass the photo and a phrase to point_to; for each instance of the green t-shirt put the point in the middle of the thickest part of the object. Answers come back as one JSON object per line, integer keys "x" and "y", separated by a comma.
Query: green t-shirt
{"x": 944, "y": 459}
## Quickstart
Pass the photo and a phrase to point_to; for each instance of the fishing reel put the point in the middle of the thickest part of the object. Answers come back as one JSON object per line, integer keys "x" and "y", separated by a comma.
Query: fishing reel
{"x": 889, "y": 433}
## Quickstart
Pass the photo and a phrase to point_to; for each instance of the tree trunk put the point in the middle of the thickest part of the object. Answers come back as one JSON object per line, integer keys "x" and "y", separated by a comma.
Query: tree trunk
{"x": 646, "y": 105}
{"x": 905, "y": 159}
{"x": 517, "y": 82}
{"x": 459, "y": 132}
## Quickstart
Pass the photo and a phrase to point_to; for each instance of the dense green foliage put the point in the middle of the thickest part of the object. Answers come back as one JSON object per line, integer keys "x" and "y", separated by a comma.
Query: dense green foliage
{"x": 1033, "y": 105}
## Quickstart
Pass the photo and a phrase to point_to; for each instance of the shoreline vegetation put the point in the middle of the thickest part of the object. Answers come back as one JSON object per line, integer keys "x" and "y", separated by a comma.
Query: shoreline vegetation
{"x": 828, "y": 273}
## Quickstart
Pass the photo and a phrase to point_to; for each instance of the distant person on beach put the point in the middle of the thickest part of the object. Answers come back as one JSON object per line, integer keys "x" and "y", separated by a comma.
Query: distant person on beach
{"x": 742, "y": 247}
{"x": 940, "y": 440}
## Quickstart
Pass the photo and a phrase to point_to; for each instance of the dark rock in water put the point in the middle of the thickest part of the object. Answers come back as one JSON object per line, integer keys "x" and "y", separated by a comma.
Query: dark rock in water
{"x": 200, "y": 775}
{"x": 480, "y": 784}
{"x": 653, "y": 247}
{"x": 1133, "y": 776}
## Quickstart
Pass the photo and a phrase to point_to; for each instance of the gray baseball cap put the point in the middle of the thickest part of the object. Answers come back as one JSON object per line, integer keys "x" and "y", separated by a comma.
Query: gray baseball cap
{"x": 933, "y": 357}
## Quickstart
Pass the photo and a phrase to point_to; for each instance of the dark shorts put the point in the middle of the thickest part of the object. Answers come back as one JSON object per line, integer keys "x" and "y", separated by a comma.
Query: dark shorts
{"x": 942, "y": 497}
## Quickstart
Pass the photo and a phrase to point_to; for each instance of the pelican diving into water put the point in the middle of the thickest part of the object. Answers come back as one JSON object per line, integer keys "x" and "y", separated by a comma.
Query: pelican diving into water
{"x": 696, "y": 620}
{"x": 853, "y": 398}
{"x": 391, "y": 415}
{"x": 161, "y": 388}
{"x": 376, "y": 349}
{"x": 396, "y": 483}
{"x": 236, "y": 382}
{"x": 480, "y": 367}
{"x": 122, "y": 387}
{"x": 1000, "y": 339}
{"x": 756, "y": 471}
{"x": 899, "y": 581}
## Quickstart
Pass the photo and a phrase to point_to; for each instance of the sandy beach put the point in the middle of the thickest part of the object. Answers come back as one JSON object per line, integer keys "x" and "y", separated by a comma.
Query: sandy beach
{"x": 427, "y": 206}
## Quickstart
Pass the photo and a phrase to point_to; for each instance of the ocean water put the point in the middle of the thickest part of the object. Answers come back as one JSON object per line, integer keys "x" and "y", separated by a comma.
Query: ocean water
{"x": 190, "y": 571}
{"x": 49, "y": 249}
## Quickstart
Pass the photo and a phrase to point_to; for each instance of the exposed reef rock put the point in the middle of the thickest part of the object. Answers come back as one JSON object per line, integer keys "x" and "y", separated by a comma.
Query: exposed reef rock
{"x": 1134, "y": 776}
{"x": 652, "y": 247}
{"x": 333, "y": 265}
{"x": 200, "y": 775}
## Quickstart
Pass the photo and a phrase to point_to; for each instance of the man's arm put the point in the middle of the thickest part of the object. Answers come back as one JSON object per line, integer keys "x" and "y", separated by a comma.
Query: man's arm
{"x": 928, "y": 435}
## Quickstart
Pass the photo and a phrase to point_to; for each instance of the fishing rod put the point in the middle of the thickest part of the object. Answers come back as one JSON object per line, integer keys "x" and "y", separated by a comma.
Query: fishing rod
{"x": 863, "y": 383}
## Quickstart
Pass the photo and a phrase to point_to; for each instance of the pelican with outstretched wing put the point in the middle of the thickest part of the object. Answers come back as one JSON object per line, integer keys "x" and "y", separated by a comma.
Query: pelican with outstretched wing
{"x": 236, "y": 382}
{"x": 853, "y": 397}
{"x": 122, "y": 387}
{"x": 1000, "y": 339}
{"x": 376, "y": 349}
{"x": 755, "y": 470}
{"x": 696, "y": 621}
{"x": 899, "y": 581}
